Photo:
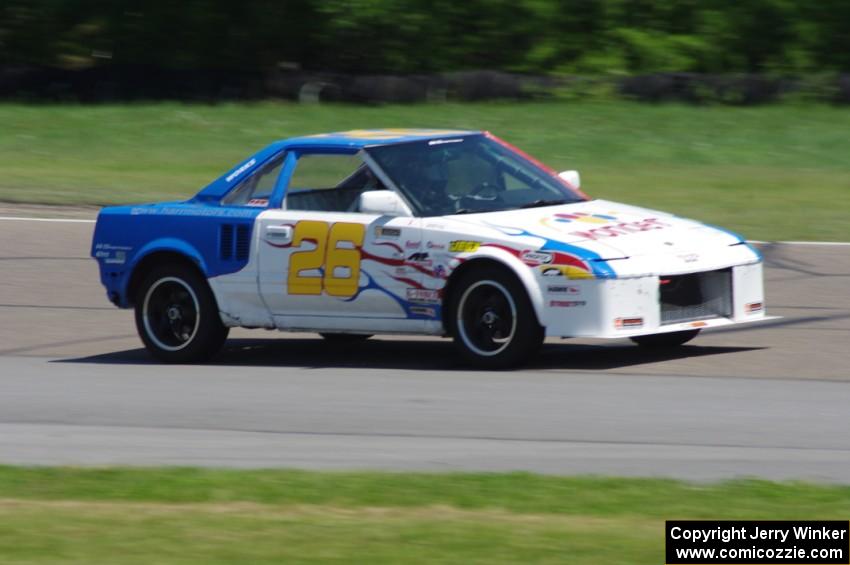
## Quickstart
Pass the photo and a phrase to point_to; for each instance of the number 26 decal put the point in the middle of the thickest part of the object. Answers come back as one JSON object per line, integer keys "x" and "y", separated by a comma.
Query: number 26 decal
{"x": 340, "y": 265}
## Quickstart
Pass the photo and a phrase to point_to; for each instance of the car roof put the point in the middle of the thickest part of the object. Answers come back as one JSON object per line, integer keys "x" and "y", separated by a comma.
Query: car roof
{"x": 344, "y": 141}
{"x": 360, "y": 138}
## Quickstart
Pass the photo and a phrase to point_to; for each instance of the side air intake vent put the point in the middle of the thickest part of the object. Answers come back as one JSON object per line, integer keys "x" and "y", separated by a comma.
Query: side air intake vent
{"x": 226, "y": 242}
{"x": 243, "y": 242}
{"x": 234, "y": 242}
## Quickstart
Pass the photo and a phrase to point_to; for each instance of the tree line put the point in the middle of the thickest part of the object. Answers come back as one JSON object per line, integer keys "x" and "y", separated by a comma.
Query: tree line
{"x": 428, "y": 36}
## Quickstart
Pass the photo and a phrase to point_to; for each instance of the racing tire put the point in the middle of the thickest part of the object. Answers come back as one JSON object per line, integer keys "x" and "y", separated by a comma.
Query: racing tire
{"x": 344, "y": 338}
{"x": 659, "y": 341}
{"x": 177, "y": 316}
{"x": 493, "y": 323}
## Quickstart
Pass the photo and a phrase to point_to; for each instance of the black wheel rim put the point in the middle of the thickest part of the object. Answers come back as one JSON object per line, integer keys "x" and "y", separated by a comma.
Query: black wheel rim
{"x": 170, "y": 313}
{"x": 486, "y": 318}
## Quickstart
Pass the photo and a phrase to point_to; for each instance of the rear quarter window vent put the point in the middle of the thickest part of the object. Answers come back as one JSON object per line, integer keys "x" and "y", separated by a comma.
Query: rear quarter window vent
{"x": 234, "y": 242}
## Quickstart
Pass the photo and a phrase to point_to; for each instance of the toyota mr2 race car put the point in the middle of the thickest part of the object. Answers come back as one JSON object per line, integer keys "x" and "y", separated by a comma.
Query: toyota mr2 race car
{"x": 433, "y": 232}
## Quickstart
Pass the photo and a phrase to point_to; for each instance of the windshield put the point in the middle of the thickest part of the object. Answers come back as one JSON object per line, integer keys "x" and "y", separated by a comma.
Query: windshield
{"x": 469, "y": 174}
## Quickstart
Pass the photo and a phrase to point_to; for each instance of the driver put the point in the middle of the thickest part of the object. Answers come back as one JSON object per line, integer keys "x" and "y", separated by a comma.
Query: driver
{"x": 426, "y": 177}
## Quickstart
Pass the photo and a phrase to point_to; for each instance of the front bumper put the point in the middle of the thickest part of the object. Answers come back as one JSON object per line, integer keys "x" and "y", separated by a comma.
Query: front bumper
{"x": 626, "y": 307}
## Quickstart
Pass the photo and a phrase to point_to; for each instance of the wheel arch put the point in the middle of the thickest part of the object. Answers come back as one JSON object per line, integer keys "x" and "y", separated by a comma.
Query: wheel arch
{"x": 503, "y": 260}
{"x": 161, "y": 254}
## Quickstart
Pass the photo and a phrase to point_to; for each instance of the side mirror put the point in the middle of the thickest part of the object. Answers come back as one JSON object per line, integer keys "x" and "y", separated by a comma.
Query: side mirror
{"x": 572, "y": 178}
{"x": 382, "y": 202}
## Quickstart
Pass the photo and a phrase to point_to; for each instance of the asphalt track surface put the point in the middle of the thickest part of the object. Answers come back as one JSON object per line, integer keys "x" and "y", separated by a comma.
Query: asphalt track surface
{"x": 76, "y": 387}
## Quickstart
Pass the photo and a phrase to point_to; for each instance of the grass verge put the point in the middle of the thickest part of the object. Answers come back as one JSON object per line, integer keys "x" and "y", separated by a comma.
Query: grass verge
{"x": 777, "y": 172}
{"x": 214, "y": 516}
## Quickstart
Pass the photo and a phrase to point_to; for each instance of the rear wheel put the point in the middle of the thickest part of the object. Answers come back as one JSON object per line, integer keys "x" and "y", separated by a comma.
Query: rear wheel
{"x": 493, "y": 322}
{"x": 671, "y": 339}
{"x": 177, "y": 316}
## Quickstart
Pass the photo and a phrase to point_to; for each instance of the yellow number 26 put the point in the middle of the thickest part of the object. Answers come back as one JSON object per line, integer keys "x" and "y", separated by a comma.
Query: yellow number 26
{"x": 336, "y": 249}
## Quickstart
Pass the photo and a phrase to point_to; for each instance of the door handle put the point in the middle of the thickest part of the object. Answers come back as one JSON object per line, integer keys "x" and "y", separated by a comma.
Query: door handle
{"x": 280, "y": 233}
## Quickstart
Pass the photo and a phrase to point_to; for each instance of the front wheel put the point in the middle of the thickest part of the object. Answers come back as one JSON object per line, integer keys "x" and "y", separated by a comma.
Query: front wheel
{"x": 493, "y": 321}
{"x": 177, "y": 316}
{"x": 671, "y": 339}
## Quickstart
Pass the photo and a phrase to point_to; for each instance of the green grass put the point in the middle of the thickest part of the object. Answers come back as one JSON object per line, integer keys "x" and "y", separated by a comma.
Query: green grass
{"x": 776, "y": 172}
{"x": 215, "y": 516}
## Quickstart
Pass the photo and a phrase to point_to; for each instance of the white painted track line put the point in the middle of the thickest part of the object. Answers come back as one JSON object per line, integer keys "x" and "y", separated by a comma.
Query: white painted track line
{"x": 832, "y": 243}
{"x": 66, "y": 220}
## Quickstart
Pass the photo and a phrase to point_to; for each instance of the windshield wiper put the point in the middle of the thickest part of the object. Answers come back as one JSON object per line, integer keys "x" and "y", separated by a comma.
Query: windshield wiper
{"x": 541, "y": 203}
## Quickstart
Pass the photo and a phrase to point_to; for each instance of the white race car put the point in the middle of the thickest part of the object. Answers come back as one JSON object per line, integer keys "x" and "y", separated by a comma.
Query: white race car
{"x": 452, "y": 233}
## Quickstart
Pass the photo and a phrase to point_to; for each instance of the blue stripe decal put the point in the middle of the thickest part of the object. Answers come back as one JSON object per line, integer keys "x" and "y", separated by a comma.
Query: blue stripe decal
{"x": 740, "y": 238}
{"x": 405, "y": 305}
{"x": 724, "y": 230}
{"x": 599, "y": 266}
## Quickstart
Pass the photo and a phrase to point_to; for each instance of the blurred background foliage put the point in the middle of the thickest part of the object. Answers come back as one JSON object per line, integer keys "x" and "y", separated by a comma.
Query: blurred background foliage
{"x": 426, "y": 36}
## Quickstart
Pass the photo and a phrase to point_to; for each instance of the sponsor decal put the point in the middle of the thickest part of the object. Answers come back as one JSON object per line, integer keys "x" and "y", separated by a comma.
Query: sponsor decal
{"x": 443, "y": 141}
{"x": 567, "y": 303}
{"x": 689, "y": 257}
{"x": 440, "y": 272}
{"x": 404, "y": 270}
{"x": 535, "y": 258}
{"x": 464, "y": 246}
{"x": 262, "y": 202}
{"x": 112, "y": 254}
{"x": 382, "y": 231}
{"x": 119, "y": 258}
{"x": 623, "y": 228}
{"x": 241, "y": 170}
{"x": 625, "y": 323}
{"x": 194, "y": 211}
{"x": 578, "y": 217}
{"x": 563, "y": 289}
{"x": 435, "y": 226}
{"x": 568, "y": 271}
{"x": 110, "y": 247}
{"x": 424, "y": 311}
{"x": 435, "y": 245}
{"x": 753, "y": 307}
{"x": 412, "y": 244}
{"x": 422, "y": 258}
{"x": 423, "y": 295}
{"x": 607, "y": 225}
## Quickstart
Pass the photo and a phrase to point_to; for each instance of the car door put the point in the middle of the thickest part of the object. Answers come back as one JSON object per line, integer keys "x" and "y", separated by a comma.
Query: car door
{"x": 323, "y": 265}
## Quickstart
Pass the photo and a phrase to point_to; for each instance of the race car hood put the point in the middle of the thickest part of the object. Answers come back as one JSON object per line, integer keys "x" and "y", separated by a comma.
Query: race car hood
{"x": 609, "y": 229}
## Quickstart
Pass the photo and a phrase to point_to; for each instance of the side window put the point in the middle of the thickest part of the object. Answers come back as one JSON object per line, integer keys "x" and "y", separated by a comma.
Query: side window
{"x": 317, "y": 172}
{"x": 329, "y": 183}
{"x": 256, "y": 189}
